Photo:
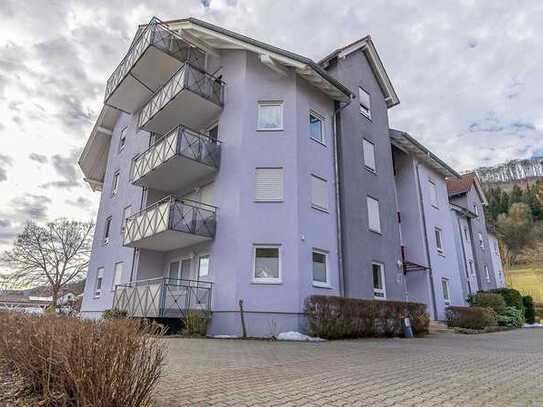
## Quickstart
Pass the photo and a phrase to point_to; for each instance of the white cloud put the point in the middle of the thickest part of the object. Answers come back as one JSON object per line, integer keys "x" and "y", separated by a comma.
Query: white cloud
{"x": 468, "y": 75}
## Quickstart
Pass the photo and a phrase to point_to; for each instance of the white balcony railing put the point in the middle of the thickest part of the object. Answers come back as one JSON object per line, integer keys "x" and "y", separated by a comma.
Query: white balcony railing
{"x": 179, "y": 142}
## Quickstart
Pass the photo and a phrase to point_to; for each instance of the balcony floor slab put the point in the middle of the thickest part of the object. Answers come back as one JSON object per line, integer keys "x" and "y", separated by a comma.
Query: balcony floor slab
{"x": 168, "y": 240}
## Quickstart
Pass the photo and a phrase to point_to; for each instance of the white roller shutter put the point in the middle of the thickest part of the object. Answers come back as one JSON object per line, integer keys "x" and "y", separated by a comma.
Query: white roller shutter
{"x": 319, "y": 192}
{"x": 269, "y": 184}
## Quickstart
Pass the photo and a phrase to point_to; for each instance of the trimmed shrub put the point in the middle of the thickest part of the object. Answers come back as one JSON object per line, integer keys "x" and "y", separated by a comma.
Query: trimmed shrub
{"x": 69, "y": 362}
{"x": 114, "y": 314}
{"x": 511, "y": 317}
{"x": 471, "y": 317}
{"x": 529, "y": 309}
{"x": 337, "y": 317}
{"x": 511, "y": 296}
{"x": 196, "y": 323}
{"x": 488, "y": 300}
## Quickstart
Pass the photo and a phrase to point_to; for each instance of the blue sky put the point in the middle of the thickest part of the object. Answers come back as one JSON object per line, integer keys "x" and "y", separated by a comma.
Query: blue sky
{"x": 469, "y": 76}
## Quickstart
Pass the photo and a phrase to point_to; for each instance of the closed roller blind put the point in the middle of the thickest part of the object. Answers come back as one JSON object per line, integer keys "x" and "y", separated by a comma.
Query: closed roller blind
{"x": 319, "y": 192}
{"x": 269, "y": 184}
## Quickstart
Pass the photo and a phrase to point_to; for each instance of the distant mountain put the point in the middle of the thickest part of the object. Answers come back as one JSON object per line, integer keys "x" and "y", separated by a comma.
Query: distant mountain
{"x": 512, "y": 171}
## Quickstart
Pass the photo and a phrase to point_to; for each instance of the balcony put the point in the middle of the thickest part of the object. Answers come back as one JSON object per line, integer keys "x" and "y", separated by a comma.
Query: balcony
{"x": 163, "y": 298}
{"x": 169, "y": 224}
{"x": 154, "y": 56}
{"x": 192, "y": 97}
{"x": 177, "y": 160}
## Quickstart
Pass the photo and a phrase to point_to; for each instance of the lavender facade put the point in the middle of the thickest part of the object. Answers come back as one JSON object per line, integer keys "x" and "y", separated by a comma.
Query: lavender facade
{"x": 231, "y": 170}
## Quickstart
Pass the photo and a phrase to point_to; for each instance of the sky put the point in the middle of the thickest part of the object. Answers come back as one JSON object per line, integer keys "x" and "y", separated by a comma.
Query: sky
{"x": 469, "y": 76}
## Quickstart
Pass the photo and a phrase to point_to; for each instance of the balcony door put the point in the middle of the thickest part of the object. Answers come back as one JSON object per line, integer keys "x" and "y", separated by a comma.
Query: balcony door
{"x": 179, "y": 271}
{"x": 185, "y": 269}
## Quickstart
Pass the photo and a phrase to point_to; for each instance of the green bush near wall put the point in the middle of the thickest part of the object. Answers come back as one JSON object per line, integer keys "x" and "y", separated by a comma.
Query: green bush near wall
{"x": 529, "y": 309}
{"x": 512, "y": 297}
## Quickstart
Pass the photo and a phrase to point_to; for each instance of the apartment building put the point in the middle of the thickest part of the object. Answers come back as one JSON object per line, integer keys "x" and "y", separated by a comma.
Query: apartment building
{"x": 497, "y": 264}
{"x": 231, "y": 170}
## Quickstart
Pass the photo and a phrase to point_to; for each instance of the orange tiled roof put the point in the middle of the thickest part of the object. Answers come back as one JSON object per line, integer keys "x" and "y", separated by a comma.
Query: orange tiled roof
{"x": 460, "y": 186}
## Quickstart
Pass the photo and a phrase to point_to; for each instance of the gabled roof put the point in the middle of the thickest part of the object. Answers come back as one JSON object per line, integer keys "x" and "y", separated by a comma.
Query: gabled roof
{"x": 368, "y": 47}
{"x": 463, "y": 185}
{"x": 407, "y": 143}
{"x": 209, "y": 37}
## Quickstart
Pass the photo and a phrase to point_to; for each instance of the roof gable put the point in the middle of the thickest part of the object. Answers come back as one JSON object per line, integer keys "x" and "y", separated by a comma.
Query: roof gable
{"x": 464, "y": 184}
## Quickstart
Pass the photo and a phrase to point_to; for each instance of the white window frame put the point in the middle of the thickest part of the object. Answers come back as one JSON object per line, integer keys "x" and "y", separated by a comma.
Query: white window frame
{"x": 383, "y": 282}
{"x": 321, "y": 119}
{"x": 200, "y": 257}
{"x": 99, "y": 277}
{"x": 115, "y": 182}
{"x": 366, "y": 159}
{"x": 364, "y": 110}
{"x": 471, "y": 268}
{"x": 446, "y": 289}
{"x": 476, "y": 209}
{"x": 178, "y": 272}
{"x": 438, "y": 235}
{"x": 368, "y": 199}
{"x": 122, "y": 144}
{"x": 316, "y": 205}
{"x": 321, "y": 284}
{"x": 127, "y": 211}
{"x": 279, "y": 199}
{"x": 269, "y": 103}
{"x": 107, "y": 230}
{"x": 481, "y": 240}
{"x": 466, "y": 234}
{"x": 434, "y": 197}
{"x": 115, "y": 282}
{"x": 260, "y": 280}
{"x": 487, "y": 273}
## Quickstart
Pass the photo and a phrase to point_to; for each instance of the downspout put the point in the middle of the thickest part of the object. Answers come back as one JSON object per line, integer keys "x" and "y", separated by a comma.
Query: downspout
{"x": 427, "y": 246}
{"x": 336, "y": 134}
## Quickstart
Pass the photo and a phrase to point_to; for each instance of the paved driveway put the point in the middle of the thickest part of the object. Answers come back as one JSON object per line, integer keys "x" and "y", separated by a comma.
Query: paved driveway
{"x": 499, "y": 369}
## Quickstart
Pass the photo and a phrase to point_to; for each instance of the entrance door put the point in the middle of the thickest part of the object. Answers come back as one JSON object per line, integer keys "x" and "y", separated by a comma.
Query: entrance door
{"x": 185, "y": 269}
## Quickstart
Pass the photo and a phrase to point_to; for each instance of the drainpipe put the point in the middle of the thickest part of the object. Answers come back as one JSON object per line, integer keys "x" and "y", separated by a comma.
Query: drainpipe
{"x": 336, "y": 135}
{"x": 428, "y": 257}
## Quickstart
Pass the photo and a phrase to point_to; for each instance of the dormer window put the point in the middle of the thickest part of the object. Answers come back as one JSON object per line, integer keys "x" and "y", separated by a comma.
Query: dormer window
{"x": 365, "y": 103}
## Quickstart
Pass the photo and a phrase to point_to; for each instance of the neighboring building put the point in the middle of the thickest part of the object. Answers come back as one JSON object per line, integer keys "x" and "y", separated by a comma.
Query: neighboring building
{"x": 233, "y": 170}
{"x": 497, "y": 264}
{"x": 467, "y": 193}
{"x": 427, "y": 231}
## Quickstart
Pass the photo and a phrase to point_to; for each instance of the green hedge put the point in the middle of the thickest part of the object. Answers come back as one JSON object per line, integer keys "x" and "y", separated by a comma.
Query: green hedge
{"x": 471, "y": 317}
{"x": 337, "y": 317}
{"x": 511, "y": 317}
{"x": 488, "y": 300}
{"x": 529, "y": 309}
{"x": 511, "y": 296}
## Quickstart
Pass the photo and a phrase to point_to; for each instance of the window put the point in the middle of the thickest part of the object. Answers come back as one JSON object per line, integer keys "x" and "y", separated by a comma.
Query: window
{"x": 126, "y": 214}
{"x": 445, "y": 287}
{"x": 316, "y": 127}
{"x": 213, "y": 133}
{"x": 364, "y": 98}
{"x": 487, "y": 273}
{"x": 107, "y": 227}
{"x": 481, "y": 241}
{"x": 379, "y": 291}
{"x": 173, "y": 272}
{"x": 439, "y": 240}
{"x": 115, "y": 184}
{"x": 319, "y": 193}
{"x": 203, "y": 266}
{"x": 374, "y": 220}
{"x": 267, "y": 264}
{"x": 320, "y": 268}
{"x": 368, "y": 149}
{"x": 476, "y": 210}
{"x": 433, "y": 194}
{"x": 270, "y": 116}
{"x": 117, "y": 275}
{"x": 269, "y": 184}
{"x": 122, "y": 139}
{"x": 98, "y": 283}
{"x": 471, "y": 269}
{"x": 466, "y": 234}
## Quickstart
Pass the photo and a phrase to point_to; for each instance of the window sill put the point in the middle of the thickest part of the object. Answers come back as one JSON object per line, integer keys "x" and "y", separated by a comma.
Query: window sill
{"x": 377, "y": 232}
{"x": 442, "y": 254}
{"x": 268, "y": 201}
{"x": 320, "y": 209}
{"x": 322, "y": 143}
{"x": 435, "y": 207}
{"x": 266, "y": 130}
{"x": 322, "y": 285}
{"x": 267, "y": 282}
{"x": 367, "y": 116}
{"x": 370, "y": 170}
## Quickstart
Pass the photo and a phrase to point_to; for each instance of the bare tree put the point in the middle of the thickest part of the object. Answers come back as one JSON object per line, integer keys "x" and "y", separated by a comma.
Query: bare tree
{"x": 53, "y": 255}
